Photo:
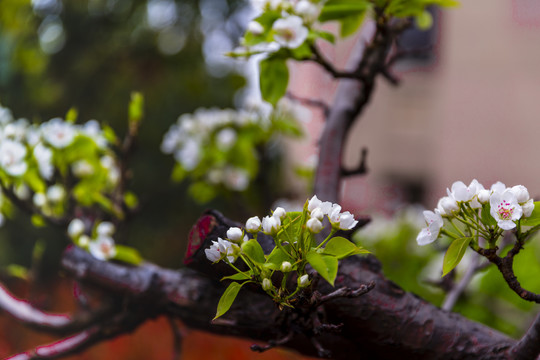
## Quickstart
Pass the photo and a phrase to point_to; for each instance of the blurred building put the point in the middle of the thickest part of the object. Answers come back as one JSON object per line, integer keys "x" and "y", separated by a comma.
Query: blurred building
{"x": 472, "y": 110}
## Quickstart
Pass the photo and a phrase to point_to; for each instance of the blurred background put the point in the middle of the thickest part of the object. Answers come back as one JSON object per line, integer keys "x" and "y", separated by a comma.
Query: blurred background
{"x": 466, "y": 109}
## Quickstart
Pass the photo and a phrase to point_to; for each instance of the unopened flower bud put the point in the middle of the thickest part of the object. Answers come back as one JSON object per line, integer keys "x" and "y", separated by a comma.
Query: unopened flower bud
{"x": 271, "y": 225}
{"x": 280, "y": 212}
{"x": 267, "y": 285}
{"x": 75, "y": 228}
{"x": 317, "y": 213}
{"x": 303, "y": 281}
{"x": 314, "y": 225}
{"x": 235, "y": 234}
{"x": 286, "y": 266}
{"x": 253, "y": 224}
{"x": 521, "y": 193}
{"x": 255, "y": 28}
{"x": 483, "y": 196}
{"x": 105, "y": 228}
{"x": 528, "y": 208}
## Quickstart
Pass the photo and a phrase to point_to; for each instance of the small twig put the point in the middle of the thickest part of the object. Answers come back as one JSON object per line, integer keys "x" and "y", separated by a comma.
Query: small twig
{"x": 319, "y": 58}
{"x": 344, "y": 292}
{"x": 362, "y": 167}
{"x": 273, "y": 343}
{"x": 309, "y": 102}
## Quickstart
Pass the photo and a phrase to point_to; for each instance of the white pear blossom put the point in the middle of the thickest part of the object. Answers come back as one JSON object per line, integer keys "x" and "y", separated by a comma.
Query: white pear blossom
{"x": 505, "y": 209}
{"x": 255, "y": 28}
{"x": 521, "y": 193}
{"x": 225, "y": 139}
{"x": 303, "y": 281}
{"x": 447, "y": 206}
{"x": 430, "y": 233}
{"x": 12, "y": 157}
{"x": 43, "y": 156}
{"x": 317, "y": 213}
{"x": 75, "y": 228}
{"x": 271, "y": 225}
{"x": 58, "y": 133}
{"x": 313, "y": 203}
{"x": 16, "y": 130}
{"x": 235, "y": 234}
{"x": 253, "y": 224}
{"x": 39, "y": 199}
{"x": 84, "y": 240}
{"x": 527, "y": 208}
{"x": 220, "y": 249}
{"x": 307, "y": 10}
{"x": 346, "y": 221}
{"x": 267, "y": 284}
{"x": 314, "y": 225}
{"x": 82, "y": 168}
{"x": 236, "y": 179}
{"x": 290, "y": 32}
{"x": 56, "y": 193}
{"x": 92, "y": 129}
{"x": 286, "y": 267}
{"x": 279, "y": 212}
{"x": 5, "y": 115}
{"x": 462, "y": 192}
{"x": 102, "y": 248}
{"x": 483, "y": 196}
{"x": 105, "y": 228}
{"x": 498, "y": 187}
{"x": 189, "y": 155}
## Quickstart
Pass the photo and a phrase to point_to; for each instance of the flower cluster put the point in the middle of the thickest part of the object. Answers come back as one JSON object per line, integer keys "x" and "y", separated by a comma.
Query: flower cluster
{"x": 99, "y": 243}
{"x": 480, "y": 210}
{"x": 217, "y": 149}
{"x": 289, "y": 28}
{"x": 37, "y": 160}
{"x": 293, "y": 234}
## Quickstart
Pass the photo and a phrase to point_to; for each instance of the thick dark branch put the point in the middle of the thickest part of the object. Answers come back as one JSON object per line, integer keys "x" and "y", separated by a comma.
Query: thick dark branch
{"x": 529, "y": 345}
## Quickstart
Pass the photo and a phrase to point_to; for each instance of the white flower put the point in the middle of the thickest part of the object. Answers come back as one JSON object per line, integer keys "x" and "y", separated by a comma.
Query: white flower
{"x": 505, "y": 209}
{"x": 307, "y": 10}
{"x": 313, "y": 203}
{"x": 346, "y": 221}
{"x": 290, "y": 32}
{"x": 43, "y": 156}
{"x": 253, "y": 224}
{"x": 317, "y": 213}
{"x": 235, "y": 234}
{"x": 220, "y": 249}
{"x": 236, "y": 179}
{"x": 56, "y": 193}
{"x": 498, "y": 187}
{"x": 271, "y": 225}
{"x": 225, "y": 139}
{"x": 314, "y": 225}
{"x": 5, "y": 115}
{"x": 12, "y": 154}
{"x": 171, "y": 139}
{"x": 461, "y": 192}
{"x": 528, "y": 208}
{"x": 39, "y": 199}
{"x": 16, "y": 130}
{"x": 334, "y": 213}
{"x": 189, "y": 155}
{"x": 105, "y": 228}
{"x": 58, "y": 133}
{"x": 102, "y": 248}
{"x": 483, "y": 196}
{"x": 521, "y": 193}
{"x": 82, "y": 168}
{"x": 447, "y": 206}
{"x": 84, "y": 241}
{"x": 279, "y": 212}
{"x": 21, "y": 191}
{"x": 267, "y": 284}
{"x": 92, "y": 129}
{"x": 255, "y": 28}
{"x": 430, "y": 233}
{"x": 286, "y": 266}
{"x": 303, "y": 281}
{"x": 75, "y": 228}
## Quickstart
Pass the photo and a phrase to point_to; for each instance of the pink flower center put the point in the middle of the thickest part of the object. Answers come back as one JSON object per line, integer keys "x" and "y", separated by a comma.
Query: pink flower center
{"x": 505, "y": 211}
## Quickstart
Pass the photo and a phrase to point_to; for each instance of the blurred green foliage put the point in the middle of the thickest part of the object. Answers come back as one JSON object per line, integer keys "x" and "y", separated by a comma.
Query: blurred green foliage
{"x": 91, "y": 55}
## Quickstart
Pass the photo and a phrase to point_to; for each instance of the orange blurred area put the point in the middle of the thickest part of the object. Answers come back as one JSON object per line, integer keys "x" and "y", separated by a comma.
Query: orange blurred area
{"x": 152, "y": 340}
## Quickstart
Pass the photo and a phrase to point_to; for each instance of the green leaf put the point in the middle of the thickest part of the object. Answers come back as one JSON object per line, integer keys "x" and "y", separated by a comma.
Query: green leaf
{"x": 238, "y": 276}
{"x": 339, "y": 9}
{"x": 325, "y": 265}
{"x": 274, "y": 77}
{"x": 277, "y": 257}
{"x": 127, "y": 254}
{"x": 131, "y": 200}
{"x": 341, "y": 248}
{"x": 227, "y": 298}
{"x": 486, "y": 217}
{"x": 302, "y": 52}
{"x": 38, "y": 221}
{"x": 17, "y": 271}
{"x": 72, "y": 115}
{"x": 135, "y": 112}
{"x": 424, "y": 21}
{"x": 534, "y": 219}
{"x": 350, "y": 24}
{"x": 455, "y": 253}
{"x": 254, "y": 251}
{"x": 325, "y": 35}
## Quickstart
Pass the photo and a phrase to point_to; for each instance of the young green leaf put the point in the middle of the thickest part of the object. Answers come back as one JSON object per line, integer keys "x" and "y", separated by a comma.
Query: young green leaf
{"x": 455, "y": 253}
{"x": 127, "y": 254}
{"x": 274, "y": 77}
{"x": 325, "y": 265}
{"x": 486, "y": 216}
{"x": 254, "y": 251}
{"x": 227, "y": 298}
{"x": 238, "y": 276}
{"x": 424, "y": 20}
{"x": 341, "y": 248}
